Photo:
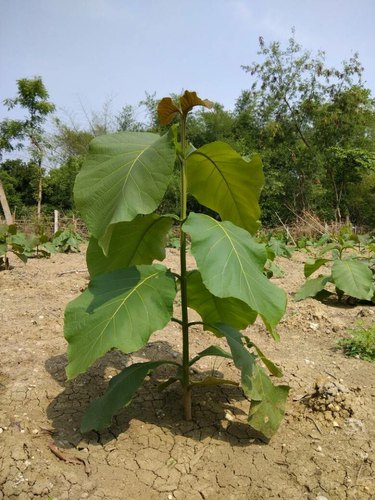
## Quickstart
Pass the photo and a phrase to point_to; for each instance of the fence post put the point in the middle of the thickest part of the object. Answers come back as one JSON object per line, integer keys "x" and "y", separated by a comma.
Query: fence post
{"x": 55, "y": 221}
{"x": 5, "y": 206}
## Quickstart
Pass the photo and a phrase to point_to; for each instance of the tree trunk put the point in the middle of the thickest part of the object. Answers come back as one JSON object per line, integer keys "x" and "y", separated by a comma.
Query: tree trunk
{"x": 5, "y": 206}
{"x": 40, "y": 193}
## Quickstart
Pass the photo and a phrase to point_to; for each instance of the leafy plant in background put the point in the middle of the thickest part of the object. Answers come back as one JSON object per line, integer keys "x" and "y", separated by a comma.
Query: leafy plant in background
{"x": 6, "y": 233}
{"x": 351, "y": 272}
{"x": 276, "y": 247}
{"x": 66, "y": 240}
{"x": 26, "y": 246}
{"x": 119, "y": 187}
{"x": 22, "y": 245}
{"x": 361, "y": 343}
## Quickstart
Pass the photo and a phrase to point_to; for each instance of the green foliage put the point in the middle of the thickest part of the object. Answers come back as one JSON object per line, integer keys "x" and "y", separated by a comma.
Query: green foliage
{"x": 65, "y": 241}
{"x": 351, "y": 272}
{"x": 32, "y": 96}
{"x": 58, "y": 185}
{"x": 123, "y": 180}
{"x": 361, "y": 343}
{"x": 314, "y": 126}
{"x": 26, "y": 246}
{"x": 129, "y": 160}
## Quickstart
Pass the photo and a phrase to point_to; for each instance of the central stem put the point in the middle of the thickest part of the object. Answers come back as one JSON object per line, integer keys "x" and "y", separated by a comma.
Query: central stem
{"x": 184, "y": 307}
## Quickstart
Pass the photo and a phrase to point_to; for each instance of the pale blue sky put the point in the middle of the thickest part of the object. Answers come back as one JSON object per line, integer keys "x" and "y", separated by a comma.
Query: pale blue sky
{"x": 89, "y": 50}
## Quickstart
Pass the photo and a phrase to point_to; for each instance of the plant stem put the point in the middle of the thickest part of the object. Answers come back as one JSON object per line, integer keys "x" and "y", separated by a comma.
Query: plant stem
{"x": 184, "y": 308}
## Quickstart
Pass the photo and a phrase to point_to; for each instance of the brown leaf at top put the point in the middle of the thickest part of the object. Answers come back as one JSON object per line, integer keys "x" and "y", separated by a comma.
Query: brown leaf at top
{"x": 190, "y": 99}
{"x": 167, "y": 110}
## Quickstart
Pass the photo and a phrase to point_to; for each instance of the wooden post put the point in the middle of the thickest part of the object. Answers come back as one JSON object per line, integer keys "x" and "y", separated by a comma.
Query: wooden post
{"x": 55, "y": 221}
{"x": 5, "y": 206}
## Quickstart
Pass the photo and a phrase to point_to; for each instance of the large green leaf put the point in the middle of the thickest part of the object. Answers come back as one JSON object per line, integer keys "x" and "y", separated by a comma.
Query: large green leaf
{"x": 120, "y": 392}
{"x": 272, "y": 368}
{"x": 119, "y": 309}
{"x": 354, "y": 278}
{"x": 231, "y": 264}
{"x": 243, "y": 359}
{"x": 219, "y": 178}
{"x": 312, "y": 287}
{"x": 137, "y": 242}
{"x": 125, "y": 174}
{"x": 213, "y": 309}
{"x": 267, "y": 404}
{"x": 267, "y": 401}
{"x": 313, "y": 265}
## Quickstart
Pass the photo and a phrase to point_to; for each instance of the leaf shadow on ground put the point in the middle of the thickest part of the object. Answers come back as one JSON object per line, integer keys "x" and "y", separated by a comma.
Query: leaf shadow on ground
{"x": 219, "y": 412}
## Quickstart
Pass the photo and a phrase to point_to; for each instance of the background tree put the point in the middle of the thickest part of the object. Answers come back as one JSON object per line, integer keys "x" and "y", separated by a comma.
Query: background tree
{"x": 32, "y": 96}
{"x": 299, "y": 110}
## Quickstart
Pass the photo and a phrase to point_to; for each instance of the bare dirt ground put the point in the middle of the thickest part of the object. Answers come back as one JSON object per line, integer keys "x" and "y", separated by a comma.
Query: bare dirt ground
{"x": 323, "y": 450}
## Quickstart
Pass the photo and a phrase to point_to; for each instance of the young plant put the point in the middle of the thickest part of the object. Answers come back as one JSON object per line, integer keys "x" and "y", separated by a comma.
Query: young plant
{"x": 12, "y": 241}
{"x": 66, "y": 240}
{"x": 360, "y": 344}
{"x": 350, "y": 272}
{"x": 120, "y": 185}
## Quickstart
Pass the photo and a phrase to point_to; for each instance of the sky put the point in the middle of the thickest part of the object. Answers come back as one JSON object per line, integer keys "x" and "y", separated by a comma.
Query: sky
{"x": 92, "y": 51}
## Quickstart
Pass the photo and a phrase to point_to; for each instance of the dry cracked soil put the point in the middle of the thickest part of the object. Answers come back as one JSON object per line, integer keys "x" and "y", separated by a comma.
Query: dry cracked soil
{"x": 323, "y": 450}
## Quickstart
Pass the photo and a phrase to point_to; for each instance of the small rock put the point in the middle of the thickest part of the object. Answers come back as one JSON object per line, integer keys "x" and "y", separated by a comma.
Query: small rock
{"x": 328, "y": 416}
{"x": 319, "y": 449}
{"x": 228, "y": 415}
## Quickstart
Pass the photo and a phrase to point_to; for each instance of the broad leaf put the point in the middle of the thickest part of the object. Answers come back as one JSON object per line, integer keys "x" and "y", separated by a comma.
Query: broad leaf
{"x": 231, "y": 265}
{"x": 137, "y": 242}
{"x": 243, "y": 359}
{"x": 210, "y": 381}
{"x": 267, "y": 404}
{"x": 329, "y": 247}
{"x": 272, "y": 368}
{"x": 119, "y": 309}
{"x": 167, "y": 110}
{"x": 354, "y": 278}
{"x": 190, "y": 99}
{"x": 213, "y": 309}
{"x": 280, "y": 248}
{"x": 273, "y": 270}
{"x": 120, "y": 392}
{"x": 213, "y": 350}
{"x": 313, "y": 265}
{"x": 312, "y": 287}
{"x": 219, "y": 178}
{"x": 125, "y": 174}
{"x": 267, "y": 401}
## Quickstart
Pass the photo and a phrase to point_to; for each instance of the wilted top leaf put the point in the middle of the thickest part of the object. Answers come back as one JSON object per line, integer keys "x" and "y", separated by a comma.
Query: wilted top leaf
{"x": 190, "y": 99}
{"x": 167, "y": 110}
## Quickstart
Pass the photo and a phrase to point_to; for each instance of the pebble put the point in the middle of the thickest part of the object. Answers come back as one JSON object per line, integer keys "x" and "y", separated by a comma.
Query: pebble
{"x": 319, "y": 448}
{"x": 229, "y": 416}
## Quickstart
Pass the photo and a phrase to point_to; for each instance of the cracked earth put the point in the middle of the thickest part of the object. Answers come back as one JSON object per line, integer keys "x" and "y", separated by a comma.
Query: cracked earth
{"x": 323, "y": 450}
